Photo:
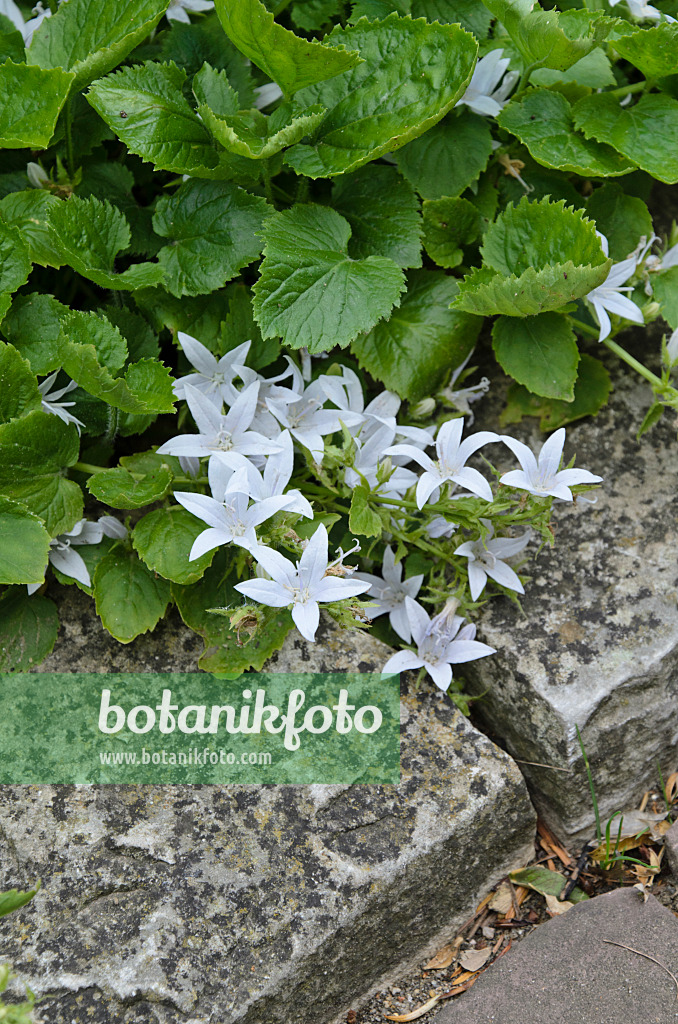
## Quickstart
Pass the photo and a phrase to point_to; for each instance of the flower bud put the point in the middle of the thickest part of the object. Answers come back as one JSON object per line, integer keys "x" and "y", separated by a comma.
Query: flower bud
{"x": 37, "y": 177}
{"x": 650, "y": 311}
{"x": 423, "y": 410}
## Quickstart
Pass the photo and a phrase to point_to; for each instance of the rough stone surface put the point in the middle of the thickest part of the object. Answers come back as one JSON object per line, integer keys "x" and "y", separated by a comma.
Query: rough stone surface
{"x": 565, "y": 971}
{"x": 671, "y": 844}
{"x": 597, "y": 646}
{"x": 251, "y": 904}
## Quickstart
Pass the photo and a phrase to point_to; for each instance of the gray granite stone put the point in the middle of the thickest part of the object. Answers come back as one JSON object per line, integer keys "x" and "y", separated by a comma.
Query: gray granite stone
{"x": 566, "y": 971}
{"x": 597, "y": 646}
{"x": 251, "y": 904}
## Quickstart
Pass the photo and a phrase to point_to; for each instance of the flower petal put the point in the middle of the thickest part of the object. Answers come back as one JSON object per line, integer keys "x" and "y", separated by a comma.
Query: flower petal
{"x": 402, "y": 661}
{"x": 265, "y": 592}
{"x": 306, "y": 618}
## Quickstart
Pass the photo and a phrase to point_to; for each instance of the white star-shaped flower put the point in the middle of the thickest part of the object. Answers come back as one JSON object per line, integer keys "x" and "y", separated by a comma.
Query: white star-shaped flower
{"x": 269, "y": 484}
{"x": 608, "y": 295}
{"x": 300, "y": 586}
{"x": 308, "y": 422}
{"x": 542, "y": 477}
{"x": 441, "y": 642}
{"x": 65, "y": 559}
{"x": 231, "y": 521}
{"x": 50, "y": 401}
{"x": 219, "y": 433}
{"x": 390, "y": 592}
{"x": 213, "y": 375}
{"x": 643, "y": 11}
{"x": 485, "y": 95}
{"x": 451, "y": 463}
{"x": 486, "y": 558}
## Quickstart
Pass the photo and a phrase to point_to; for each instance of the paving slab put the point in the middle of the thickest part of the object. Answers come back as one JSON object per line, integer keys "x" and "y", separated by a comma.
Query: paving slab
{"x": 597, "y": 646}
{"x": 243, "y": 903}
{"x": 566, "y": 971}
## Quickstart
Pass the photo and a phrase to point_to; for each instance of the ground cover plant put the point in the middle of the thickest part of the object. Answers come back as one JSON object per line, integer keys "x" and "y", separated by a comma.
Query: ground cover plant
{"x": 246, "y": 252}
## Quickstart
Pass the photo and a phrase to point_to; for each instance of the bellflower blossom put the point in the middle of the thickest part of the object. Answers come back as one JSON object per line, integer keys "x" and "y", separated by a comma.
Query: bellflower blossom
{"x": 178, "y": 10}
{"x": 441, "y": 642}
{"x": 461, "y": 399}
{"x": 218, "y": 432}
{"x": 486, "y": 558}
{"x": 541, "y": 476}
{"x": 451, "y": 463}
{"x": 643, "y": 11}
{"x": 50, "y": 401}
{"x": 608, "y": 295}
{"x": 213, "y": 375}
{"x": 300, "y": 586}
{"x": 65, "y": 559}
{"x": 484, "y": 95}
{"x": 231, "y": 521}
{"x": 390, "y": 592}
{"x": 269, "y": 484}
{"x": 366, "y": 464}
{"x": 307, "y": 421}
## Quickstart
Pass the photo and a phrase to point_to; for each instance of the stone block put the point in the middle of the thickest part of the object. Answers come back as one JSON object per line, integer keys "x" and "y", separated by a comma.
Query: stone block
{"x": 251, "y": 904}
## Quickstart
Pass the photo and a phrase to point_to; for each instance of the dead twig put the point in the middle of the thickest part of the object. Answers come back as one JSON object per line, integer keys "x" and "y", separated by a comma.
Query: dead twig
{"x": 647, "y": 957}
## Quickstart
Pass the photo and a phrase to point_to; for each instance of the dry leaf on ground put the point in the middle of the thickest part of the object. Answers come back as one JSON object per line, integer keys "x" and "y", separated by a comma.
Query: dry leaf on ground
{"x": 473, "y": 959}
{"x": 555, "y": 907}
{"x": 443, "y": 957}
{"x": 402, "y": 1018}
{"x": 501, "y": 901}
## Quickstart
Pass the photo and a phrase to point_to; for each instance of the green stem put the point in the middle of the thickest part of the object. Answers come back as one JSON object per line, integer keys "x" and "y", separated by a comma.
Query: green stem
{"x": 68, "y": 124}
{"x": 87, "y": 467}
{"x": 649, "y": 376}
{"x": 113, "y": 420}
{"x": 525, "y": 77}
{"x": 643, "y": 86}
{"x": 584, "y": 328}
{"x": 302, "y": 190}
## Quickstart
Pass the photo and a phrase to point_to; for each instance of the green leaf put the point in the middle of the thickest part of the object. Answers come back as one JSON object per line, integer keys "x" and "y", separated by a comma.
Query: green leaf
{"x": 25, "y": 544}
{"x": 292, "y": 62}
{"x": 449, "y": 157}
{"x": 485, "y": 293}
{"x": 164, "y": 538}
{"x": 654, "y": 51}
{"x": 190, "y": 46}
{"x": 239, "y": 326}
{"x": 142, "y": 342}
{"x": 224, "y": 650}
{"x": 90, "y": 37}
{"x": 130, "y": 599}
{"x": 665, "y": 290}
{"x": 471, "y": 15}
{"x": 652, "y": 416}
{"x": 34, "y": 451}
{"x": 213, "y": 229}
{"x": 362, "y": 519}
{"x": 543, "y": 121}
{"x": 213, "y": 90}
{"x": 310, "y": 291}
{"x": 540, "y": 352}
{"x": 376, "y": 10}
{"x": 545, "y": 882}
{"x": 313, "y": 15}
{"x": 14, "y": 899}
{"x": 33, "y": 325}
{"x": 18, "y": 387}
{"x": 29, "y": 211}
{"x": 594, "y": 70}
{"x": 258, "y": 136}
{"x": 136, "y": 482}
{"x": 383, "y": 212}
{"x": 11, "y": 42}
{"x": 591, "y": 393}
{"x": 646, "y": 133}
{"x": 32, "y": 99}
{"x": 413, "y": 74}
{"x": 540, "y": 36}
{"x": 91, "y": 349}
{"x": 623, "y": 219}
{"x": 450, "y": 224}
{"x": 15, "y": 264}
{"x": 28, "y": 629}
{"x": 536, "y": 234}
{"x": 146, "y": 108}
{"x": 422, "y": 341}
{"x": 89, "y": 233}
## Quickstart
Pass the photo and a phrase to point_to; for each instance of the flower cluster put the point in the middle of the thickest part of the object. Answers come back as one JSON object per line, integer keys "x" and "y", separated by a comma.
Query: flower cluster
{"x": 262, "y": 441}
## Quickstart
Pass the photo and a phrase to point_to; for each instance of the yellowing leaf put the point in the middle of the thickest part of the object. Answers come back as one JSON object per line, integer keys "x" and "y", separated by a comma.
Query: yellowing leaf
{"x": 473, "y": 959}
